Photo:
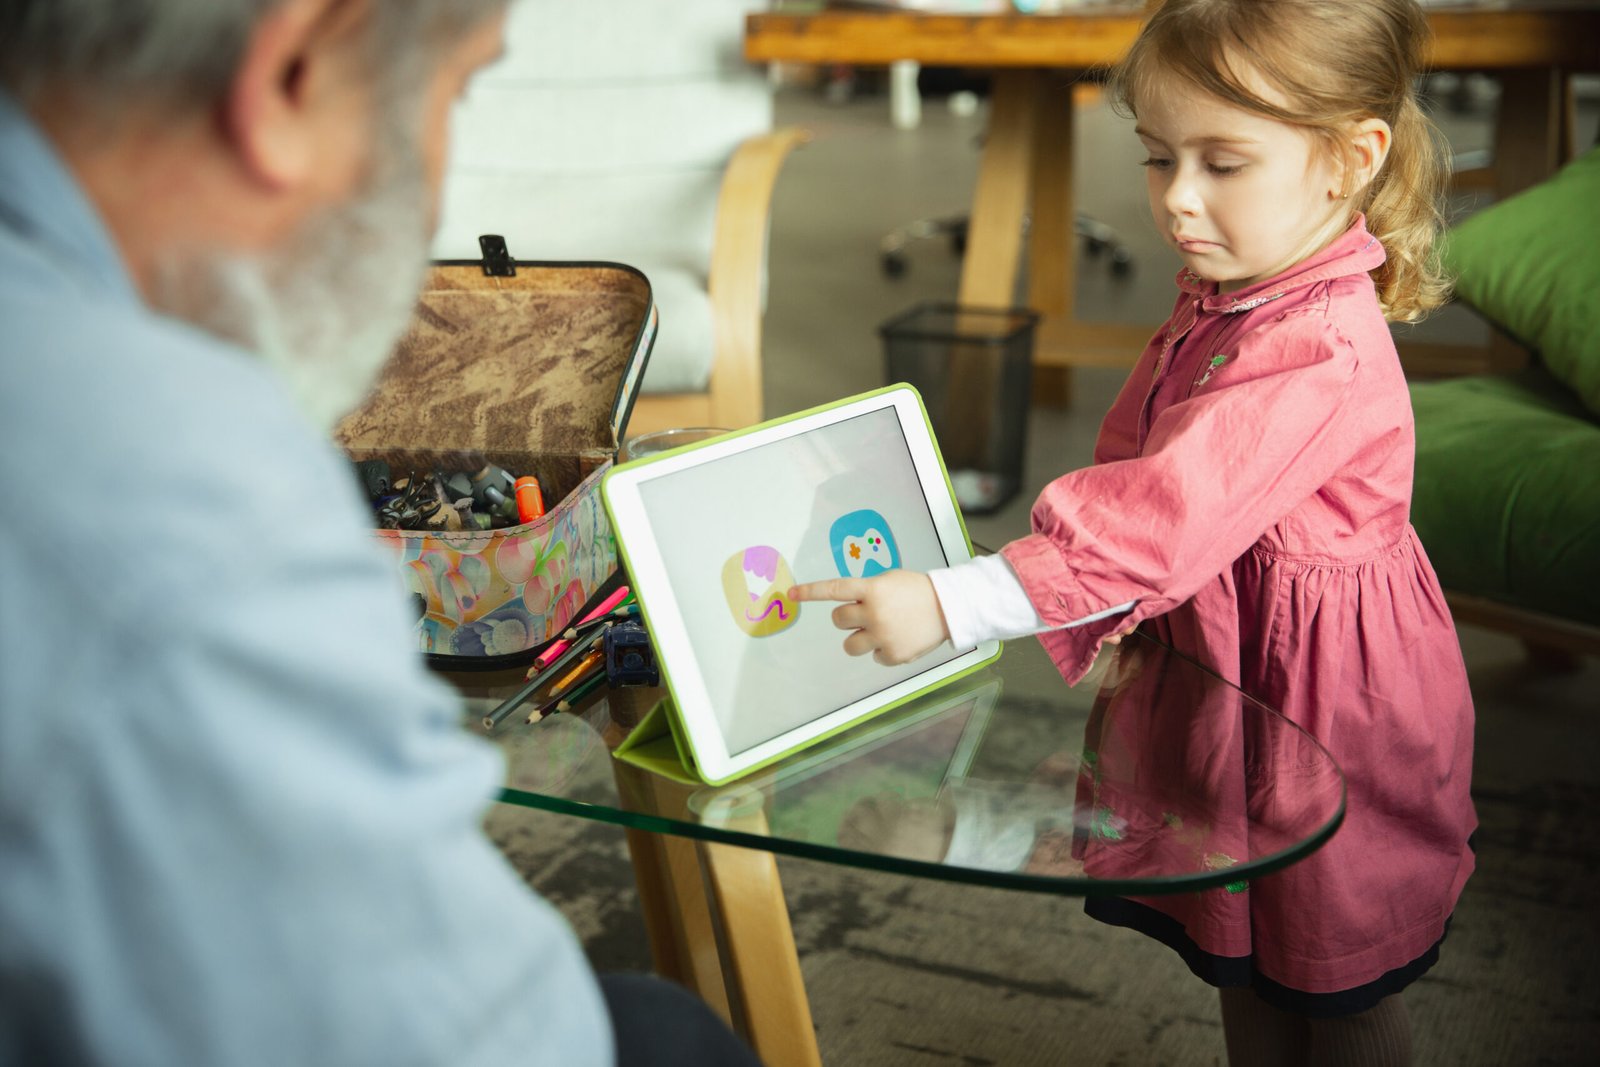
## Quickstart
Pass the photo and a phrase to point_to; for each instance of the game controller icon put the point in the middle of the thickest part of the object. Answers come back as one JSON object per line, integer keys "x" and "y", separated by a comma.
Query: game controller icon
{"x": 863, "y": 545}
{"x": 756, "y": 584}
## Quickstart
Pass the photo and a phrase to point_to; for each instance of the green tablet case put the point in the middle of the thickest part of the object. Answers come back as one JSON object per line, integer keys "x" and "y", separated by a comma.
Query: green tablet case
{"x": 659, "y": 743}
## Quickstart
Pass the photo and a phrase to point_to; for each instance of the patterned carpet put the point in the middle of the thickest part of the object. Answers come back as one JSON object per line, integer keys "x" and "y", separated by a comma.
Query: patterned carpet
{"x": 906, "y": 972}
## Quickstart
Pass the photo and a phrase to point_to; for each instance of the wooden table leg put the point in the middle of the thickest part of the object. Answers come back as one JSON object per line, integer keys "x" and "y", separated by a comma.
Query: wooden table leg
{"x": 1000, "y": 201}
{"x": 763, "y": 966}
{"x": 1532, "y": 138}
{"x": 1052, "y": 245}
{"x": 1027, "y": 166}
{"x": 718, "y": 924}
{"x": 678, "y": 916}
{"x": 990, "y": 264}
{"x": 1530, "y": 130}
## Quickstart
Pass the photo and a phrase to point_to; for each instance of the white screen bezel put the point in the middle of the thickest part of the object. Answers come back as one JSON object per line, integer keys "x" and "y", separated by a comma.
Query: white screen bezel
{"x": 648, "y": 572}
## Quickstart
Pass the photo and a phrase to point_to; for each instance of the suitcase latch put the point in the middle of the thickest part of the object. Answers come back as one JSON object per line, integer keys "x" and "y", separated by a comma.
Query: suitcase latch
{"x": 497, "y": 261}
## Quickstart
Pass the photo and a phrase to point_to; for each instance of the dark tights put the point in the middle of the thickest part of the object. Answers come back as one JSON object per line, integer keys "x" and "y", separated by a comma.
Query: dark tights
{"x": 1260, "y": 1035}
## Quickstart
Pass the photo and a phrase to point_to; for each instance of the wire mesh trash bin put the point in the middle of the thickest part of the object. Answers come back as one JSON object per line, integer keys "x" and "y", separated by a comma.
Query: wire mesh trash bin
{"x": 974, "y": 369}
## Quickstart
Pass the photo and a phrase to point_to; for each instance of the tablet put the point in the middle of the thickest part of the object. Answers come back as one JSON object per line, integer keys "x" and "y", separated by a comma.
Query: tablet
{"x": 714, "y": 535}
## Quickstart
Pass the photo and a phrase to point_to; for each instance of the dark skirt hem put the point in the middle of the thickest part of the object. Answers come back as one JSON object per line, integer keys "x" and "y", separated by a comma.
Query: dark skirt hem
{"x": 1235, "y": 971}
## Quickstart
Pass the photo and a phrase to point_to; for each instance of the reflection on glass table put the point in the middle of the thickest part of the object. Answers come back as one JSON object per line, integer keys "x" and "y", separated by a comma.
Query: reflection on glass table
{"x": 1152, "y": 775}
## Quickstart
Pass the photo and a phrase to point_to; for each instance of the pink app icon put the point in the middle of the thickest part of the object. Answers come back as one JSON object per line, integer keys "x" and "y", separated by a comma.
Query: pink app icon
{"x": 756, "y": 583}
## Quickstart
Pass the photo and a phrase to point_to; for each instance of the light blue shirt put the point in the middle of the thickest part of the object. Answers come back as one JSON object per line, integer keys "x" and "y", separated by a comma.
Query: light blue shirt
{"x": 239, "y": 822}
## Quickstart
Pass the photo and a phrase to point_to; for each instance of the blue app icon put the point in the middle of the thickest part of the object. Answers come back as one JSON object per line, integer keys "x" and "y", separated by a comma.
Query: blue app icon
{"x": 863, "y": 545}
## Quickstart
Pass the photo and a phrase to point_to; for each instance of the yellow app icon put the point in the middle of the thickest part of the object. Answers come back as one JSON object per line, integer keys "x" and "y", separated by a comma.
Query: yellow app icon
{"x": 757, "y": 583}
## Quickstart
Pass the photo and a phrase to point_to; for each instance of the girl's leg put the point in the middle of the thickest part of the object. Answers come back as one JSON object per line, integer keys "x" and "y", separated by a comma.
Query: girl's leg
{"x": 1378, "y": 1037}
{"x": 1259, "y": 1035}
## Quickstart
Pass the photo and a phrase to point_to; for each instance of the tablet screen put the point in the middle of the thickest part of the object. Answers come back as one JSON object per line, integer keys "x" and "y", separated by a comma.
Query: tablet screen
{"x": 736, "y": 532}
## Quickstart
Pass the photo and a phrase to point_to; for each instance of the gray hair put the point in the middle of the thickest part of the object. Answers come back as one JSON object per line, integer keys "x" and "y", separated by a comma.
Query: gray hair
{"x": 185, "y": 52}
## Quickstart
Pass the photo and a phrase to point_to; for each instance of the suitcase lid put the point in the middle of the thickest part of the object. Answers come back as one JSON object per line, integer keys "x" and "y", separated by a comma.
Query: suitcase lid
{"x": 527, "y": 365}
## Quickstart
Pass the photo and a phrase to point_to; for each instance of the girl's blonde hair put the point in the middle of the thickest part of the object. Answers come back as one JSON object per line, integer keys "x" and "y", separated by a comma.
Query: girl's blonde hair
{"x": 1333, "y": 63}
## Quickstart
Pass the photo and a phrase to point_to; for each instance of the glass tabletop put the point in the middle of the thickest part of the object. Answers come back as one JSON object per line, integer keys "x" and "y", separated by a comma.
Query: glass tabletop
{"x": 1152, "y": 775}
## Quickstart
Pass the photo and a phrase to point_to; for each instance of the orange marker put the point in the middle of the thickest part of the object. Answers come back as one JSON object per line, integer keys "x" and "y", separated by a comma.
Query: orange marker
{"x": 530, "y": 498}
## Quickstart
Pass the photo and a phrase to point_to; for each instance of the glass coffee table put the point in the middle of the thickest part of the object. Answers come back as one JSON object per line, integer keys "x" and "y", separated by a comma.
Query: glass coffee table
{"x": 1151, "y": 776}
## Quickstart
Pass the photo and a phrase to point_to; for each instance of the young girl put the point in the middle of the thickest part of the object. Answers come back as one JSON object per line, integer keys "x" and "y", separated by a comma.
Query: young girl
{"x": 1250, "y": 500}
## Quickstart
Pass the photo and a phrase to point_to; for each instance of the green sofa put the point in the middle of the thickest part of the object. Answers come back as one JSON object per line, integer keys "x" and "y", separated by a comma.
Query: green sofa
{"x": 1507, "y": 498}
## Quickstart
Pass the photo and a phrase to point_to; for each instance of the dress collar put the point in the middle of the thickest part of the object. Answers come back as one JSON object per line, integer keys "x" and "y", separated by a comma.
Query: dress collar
{"x": 42, "y": 203}
{"x": 1353, "y": 252}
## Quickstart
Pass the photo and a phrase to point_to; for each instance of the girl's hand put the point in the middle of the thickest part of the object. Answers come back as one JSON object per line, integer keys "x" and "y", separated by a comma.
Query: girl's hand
{"x": 894, "y": 615}
{"x": 1116, "y": 638}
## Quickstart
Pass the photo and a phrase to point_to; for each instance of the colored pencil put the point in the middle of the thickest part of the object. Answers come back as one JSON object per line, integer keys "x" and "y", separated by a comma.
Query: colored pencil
{"x": 594, "y": 658}
{"x": 517, "y": 699}
{"x": 566, "y": 701}
{"x": 617, "y": 596}
{"x": 572, "y": 698}
{"x": 621, "y": 611}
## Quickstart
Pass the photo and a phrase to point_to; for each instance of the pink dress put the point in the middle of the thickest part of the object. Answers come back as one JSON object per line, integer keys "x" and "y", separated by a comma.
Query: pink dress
{"x": 1252, "y": 490}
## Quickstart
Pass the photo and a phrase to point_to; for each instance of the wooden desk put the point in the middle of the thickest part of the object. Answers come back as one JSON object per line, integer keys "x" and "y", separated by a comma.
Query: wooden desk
{"x": 1027, "y": 158}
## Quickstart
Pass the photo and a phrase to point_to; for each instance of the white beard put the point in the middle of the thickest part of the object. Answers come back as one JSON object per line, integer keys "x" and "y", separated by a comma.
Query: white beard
{"x": 325, "y": 307}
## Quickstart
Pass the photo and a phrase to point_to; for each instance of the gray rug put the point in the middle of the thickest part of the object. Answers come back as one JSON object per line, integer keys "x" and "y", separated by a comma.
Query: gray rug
{"x": 908, "y": 972}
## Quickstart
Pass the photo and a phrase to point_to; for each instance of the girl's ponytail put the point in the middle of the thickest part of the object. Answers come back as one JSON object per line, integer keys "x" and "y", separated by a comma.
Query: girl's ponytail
{"x": 1402, "y": 206}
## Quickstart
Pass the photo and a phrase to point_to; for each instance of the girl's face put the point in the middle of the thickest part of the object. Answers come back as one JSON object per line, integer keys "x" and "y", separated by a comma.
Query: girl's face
{"x": 1241, "y": 196}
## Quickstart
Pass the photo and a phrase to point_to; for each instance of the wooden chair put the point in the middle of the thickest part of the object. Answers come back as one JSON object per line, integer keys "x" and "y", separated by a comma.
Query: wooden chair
{"x": 633, "y": 131}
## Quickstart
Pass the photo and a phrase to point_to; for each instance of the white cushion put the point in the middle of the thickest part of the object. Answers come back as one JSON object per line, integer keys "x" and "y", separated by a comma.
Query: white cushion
{"x": 680, "y": 362}
{"x": 631, "y": 218}
{"x": 588, "y": 128}
{"x": 603, "y": 135}
{"x": 613, "y": 40}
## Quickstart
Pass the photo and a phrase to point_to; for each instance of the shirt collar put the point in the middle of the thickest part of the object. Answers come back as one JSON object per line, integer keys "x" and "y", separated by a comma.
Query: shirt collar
{"x": 1353, "y": 252}
{"x": 42, "y": 203}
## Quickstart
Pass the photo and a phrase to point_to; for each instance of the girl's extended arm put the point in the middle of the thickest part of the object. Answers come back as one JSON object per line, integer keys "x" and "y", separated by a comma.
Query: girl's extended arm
{"x": 891, "y": 617}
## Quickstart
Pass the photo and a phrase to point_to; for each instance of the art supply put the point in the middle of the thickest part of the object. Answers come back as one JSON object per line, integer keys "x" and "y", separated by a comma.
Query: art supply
{"x": 567, "y": 701}
{"x": 530, "y": 498}
{"x": 617, "y": 596}
{"x": 619, "y": 613}
{"x": 592, "y": 661}
{"x": 537, "y": 681}
{"x": 629, "y": 658}
{"x": 572, "y": 699}
{"x": 490, "y": 499}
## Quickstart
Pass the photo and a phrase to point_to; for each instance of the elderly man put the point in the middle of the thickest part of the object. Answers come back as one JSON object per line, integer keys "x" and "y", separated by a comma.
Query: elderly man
{"x": 239, "y": 823}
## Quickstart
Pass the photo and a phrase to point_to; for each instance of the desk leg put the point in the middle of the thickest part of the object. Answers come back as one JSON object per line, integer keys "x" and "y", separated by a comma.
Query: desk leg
{"x": 1027, "y": 161}
{"x": 718, "y": 924}
{"x": 677, "y": 916}
{"x": 990, "y": 263}
{"x": 759, "y": 952}
{"x": 1000, "y": 201}
{"x": 1052, "y": 245}
{"x": 1532, "y": 129}
{"x": 1532, "y": 139}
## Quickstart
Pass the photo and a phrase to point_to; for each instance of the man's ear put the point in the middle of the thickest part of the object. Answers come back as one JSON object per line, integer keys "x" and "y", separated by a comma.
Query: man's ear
{"x": 269, "y": 115}
{"x": 1366, "y": 149}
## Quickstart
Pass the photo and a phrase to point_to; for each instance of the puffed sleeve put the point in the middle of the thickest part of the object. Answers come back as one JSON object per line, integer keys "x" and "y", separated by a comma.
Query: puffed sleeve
{"x": 1119, "y": 430}
{"x": 1217, "y": 470}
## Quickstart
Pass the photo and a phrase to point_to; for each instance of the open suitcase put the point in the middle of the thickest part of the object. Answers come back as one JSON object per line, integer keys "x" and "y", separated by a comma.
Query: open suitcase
{"x": 532, "y": 367}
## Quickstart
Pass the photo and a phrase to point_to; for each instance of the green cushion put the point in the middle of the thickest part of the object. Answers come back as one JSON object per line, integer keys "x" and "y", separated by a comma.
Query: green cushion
{"x": 1531, "y": 265}
{"x": 1507, "y": 498}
